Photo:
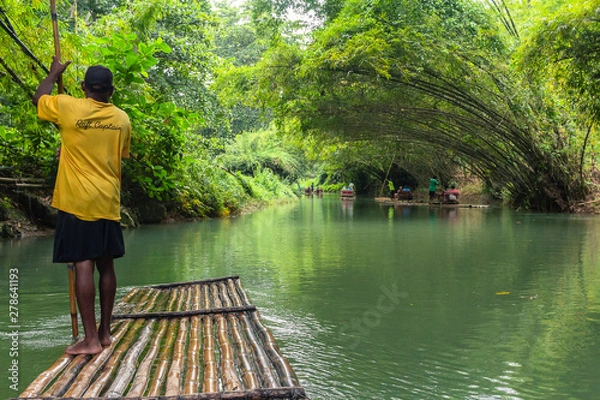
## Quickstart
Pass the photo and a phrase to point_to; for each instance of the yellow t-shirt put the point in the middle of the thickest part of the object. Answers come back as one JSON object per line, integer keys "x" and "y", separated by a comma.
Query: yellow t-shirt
{"x": 95, "y": 136}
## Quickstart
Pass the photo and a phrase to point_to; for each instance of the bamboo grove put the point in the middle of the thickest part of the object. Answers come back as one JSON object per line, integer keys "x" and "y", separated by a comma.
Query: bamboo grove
{"x": 509, "y": 96}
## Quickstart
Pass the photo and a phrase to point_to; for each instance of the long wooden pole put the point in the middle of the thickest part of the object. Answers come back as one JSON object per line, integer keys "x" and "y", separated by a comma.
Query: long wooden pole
{"x": 61, "y": 89}
{"x": 73, "y": 301}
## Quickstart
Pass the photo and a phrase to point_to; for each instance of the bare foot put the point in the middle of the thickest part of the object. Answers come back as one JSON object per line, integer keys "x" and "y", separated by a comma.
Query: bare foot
{"x": 104, "y": 336}
{"x": 84, "y": 347}
{"x": 105, "y": 341}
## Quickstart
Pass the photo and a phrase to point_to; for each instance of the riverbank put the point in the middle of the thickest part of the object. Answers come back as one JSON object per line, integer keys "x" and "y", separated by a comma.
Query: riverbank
{"x": 25, "y": 213}
{"x": 28, "y": 213}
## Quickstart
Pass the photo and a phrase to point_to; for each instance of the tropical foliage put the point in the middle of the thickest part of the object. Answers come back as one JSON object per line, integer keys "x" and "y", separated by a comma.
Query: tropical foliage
{"x": 228, "y": 100}
{"x": 456, "y": 80}
{"x": 162, "y": 55}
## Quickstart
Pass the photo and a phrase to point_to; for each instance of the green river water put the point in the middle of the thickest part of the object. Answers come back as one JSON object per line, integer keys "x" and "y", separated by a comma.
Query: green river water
{"x": 366, "y": 301}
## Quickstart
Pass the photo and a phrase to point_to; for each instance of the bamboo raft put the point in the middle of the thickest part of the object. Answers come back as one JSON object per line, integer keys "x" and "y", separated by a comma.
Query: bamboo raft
{"x": 347, "y": 194}
{"x": 188, "y": 340}
{"x": 388, "y": 201}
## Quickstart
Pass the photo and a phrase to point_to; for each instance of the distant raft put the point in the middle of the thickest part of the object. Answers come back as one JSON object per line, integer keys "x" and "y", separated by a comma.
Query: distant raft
{"x": 388, "y": 201}
{"x": 347, "y": 194}
{"x": 188, "y": 340}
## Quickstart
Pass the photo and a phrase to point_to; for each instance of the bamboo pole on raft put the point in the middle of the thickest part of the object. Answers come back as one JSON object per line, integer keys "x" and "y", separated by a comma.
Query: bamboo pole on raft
{"x": 210, "y": 382}
{"x": 89, "y": 371}
{"x": 128, "y": 366}
{"x": 142, "y": 377}
{"x": 190, "y": 384}
{"x": 54, "y": 372}
{"x": 173, "y": 385}
{"x": 90, "y": 381}
{"x": 228, "y": 371}
{"x": 113, "y": 362}
{"x": 266, "y": 371}
{"x": 60, "y": 386}
{"x": 244, "y": 352}
{"x": 39, "y": 384}
{"x": 158, "y": 379}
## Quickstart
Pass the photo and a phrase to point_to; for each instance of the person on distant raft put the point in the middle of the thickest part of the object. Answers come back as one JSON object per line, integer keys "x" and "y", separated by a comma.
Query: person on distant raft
{"x": 404, "y": 193}
{"x": 433, "y": 184}
{"x": 94, "y": 135}
{"x": 451, "y": 195}
{"x": 392, "y": 188}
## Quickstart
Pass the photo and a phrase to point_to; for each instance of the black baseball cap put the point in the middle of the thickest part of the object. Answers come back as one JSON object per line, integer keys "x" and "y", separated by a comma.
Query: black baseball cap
{"x": 98, "y": 79}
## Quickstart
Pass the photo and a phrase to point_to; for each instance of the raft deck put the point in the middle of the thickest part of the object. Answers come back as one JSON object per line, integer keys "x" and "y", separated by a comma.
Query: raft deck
{"x": 347, "y": 194}
{"x": 192, "y": 340}
{"x": 388, "y": 201}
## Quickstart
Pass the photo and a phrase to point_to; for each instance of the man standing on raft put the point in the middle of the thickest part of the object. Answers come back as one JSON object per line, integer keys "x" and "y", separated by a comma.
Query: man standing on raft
{"x": 433, "y": 183}
{"x": 95, "y": 135}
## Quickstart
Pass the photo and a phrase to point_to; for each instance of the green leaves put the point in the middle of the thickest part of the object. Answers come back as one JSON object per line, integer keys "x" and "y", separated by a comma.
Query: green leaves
{"x": 252, "y": 152}
{"x": 127, "y": 57}
{"x": 433, "y": 73}
{"x": 562, "y": 52}
{"x": 162, "y": 56}
{"x": 157, "y": 182}
{"x": 421, "y": 77}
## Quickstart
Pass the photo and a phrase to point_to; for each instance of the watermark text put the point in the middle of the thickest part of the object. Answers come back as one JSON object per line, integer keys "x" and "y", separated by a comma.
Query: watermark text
{"x": 13, "y": 328}
{"x": 370, "y": 319}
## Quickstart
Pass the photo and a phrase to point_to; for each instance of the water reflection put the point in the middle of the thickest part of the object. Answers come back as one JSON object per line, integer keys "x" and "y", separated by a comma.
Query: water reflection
{"x": 347, "y": 207}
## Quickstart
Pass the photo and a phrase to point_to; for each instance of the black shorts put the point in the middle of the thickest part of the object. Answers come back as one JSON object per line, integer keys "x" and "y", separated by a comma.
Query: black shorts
{"x": 77, "y": 240}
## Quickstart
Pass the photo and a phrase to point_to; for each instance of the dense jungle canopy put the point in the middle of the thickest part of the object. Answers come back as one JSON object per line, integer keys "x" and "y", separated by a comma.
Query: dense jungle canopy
{"x": 238, "y": 102}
